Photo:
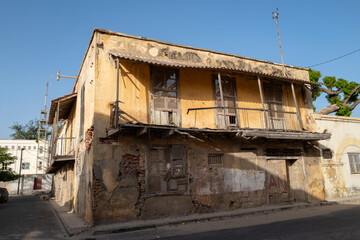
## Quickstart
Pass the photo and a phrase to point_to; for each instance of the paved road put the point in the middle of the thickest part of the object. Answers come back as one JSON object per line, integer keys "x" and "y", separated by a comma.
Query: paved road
{"x": 28, "y": 218}
{"x": 320, "y": 223}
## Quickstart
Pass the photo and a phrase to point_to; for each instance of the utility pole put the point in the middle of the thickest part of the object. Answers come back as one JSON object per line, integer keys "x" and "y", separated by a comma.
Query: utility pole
{"x": 21, "y": 156}
{"x": 42, "y": 149}
{"x": 276, "y": 15}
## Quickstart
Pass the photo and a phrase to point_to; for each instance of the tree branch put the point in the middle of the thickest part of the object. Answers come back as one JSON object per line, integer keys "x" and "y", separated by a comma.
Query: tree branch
{"x": 352, "y": 106}
{"x": 329, "y": 91}
{"x": 328, "y": 109}
{"x": 345, "y": 101}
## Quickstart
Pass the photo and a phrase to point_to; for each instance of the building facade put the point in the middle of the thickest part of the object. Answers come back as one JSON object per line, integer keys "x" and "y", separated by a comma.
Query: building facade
{"x": 33, "y": 168}
{"x": 154, "y": 129}
{"x": 30, "y": 164}
{"x": 340, "y": 155}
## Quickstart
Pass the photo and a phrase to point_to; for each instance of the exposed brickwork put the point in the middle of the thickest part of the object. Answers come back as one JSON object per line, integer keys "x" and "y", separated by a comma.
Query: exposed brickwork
{"x": 141, "y": 181}
{"x": 134, "y": 165}
{"x": 89, "y": 137}
{"x": 130, "y": 164}
{"x": 96, "y": 190}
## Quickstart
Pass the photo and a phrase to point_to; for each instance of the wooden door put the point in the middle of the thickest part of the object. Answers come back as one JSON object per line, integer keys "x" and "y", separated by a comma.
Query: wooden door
{"x": 277, "y": 181}
{"x": 37, "y": 183}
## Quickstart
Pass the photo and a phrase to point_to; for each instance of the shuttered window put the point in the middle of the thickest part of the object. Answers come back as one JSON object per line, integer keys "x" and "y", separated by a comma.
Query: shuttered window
{"x": 228, "y": 87}
{"x": 164, "y": 85}
{"x": 354, "y": 162}
{"x": 275, "y": 105}
{"x": 167, "y": 170}
{"x": 82, "y": 112}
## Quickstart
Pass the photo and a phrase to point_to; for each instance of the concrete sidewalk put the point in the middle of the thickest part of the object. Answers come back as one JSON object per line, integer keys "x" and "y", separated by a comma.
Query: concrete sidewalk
{"x": 71, "y": 222}
{"x": 74, "y": 225}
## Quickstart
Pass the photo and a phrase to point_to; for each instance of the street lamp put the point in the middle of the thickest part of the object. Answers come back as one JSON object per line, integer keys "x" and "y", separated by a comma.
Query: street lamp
{"x": 21, "y": 155}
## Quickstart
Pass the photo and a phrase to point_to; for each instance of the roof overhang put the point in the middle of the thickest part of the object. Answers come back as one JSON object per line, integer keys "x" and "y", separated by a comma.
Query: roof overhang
{"x": 261, "y": 70}
{"x": 64, "y": 104}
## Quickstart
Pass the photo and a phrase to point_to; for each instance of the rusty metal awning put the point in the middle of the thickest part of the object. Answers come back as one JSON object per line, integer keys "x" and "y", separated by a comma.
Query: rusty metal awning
{"x": 161, "y": 61}
{"x": 65, "y": 105}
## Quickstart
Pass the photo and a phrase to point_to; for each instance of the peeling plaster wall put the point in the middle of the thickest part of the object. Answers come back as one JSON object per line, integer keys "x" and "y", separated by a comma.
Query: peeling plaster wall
{"x": 64, "y": 185}
{"x": 345, "y": 132}
{"x": 80, "y": 198}
{"x": 119, "y": 177}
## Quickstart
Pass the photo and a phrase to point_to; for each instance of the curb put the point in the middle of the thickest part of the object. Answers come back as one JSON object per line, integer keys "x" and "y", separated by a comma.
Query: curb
{"x": 67, "y": 229}
{"x": 204, "y": 218}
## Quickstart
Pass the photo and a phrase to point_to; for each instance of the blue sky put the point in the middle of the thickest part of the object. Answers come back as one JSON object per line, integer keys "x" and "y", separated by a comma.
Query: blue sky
{"x": 38, "y": 38}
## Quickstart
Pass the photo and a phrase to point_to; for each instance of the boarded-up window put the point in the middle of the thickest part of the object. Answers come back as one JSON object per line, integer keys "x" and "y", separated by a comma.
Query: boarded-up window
{"x": 275, "y": 105}
{"x": 82, "y": 112}
{"x": 167, "y": 169}
{"x": 165, "y": 96}
{"x": 228, "y": 88}
{"x": 354, "y": 162}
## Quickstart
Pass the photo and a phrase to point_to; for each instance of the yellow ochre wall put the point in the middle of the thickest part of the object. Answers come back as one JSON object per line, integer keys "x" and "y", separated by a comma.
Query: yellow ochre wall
{"x": 196, "y": 91}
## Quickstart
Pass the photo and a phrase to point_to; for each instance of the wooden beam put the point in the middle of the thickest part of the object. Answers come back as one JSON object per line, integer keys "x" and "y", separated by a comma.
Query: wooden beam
{"x": 141, "y": 131}
{"x": 168, "y": 133}
{"x": 296, "y": 106}
{"x": 222, "y": 99}
{"x": 262, "y": 102}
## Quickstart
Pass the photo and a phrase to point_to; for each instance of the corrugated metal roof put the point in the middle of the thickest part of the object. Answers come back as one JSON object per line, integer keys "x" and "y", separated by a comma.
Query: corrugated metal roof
{"x": 66, "y": 102}
{"x": 200, "y": 65}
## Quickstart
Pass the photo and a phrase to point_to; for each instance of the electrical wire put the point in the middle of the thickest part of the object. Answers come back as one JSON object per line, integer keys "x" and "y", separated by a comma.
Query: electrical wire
{"x": 357, "y": 50}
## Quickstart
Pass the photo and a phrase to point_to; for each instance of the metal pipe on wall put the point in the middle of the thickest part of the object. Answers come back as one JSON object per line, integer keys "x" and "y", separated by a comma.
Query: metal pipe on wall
{"x": 117, "y": 94}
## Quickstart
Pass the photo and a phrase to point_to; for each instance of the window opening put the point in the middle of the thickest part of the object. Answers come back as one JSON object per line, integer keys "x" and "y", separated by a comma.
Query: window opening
{"x": 274, "y": 101}
{"x": 229, "y": 95}
{"x": 25, "y": 166}
{"x": 215, "y": 159}
{"x": 354, "y": 162}
{"x": 82, "y": 112}
{"x": 164, "y": 96}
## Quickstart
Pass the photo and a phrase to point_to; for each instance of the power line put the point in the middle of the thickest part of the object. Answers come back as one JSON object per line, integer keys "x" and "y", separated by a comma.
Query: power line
{"x": 357, "y": 50}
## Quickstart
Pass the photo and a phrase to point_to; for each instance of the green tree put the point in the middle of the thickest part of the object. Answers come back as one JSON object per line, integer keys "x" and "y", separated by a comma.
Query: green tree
{"x": 27, "y": 131}
{"x": 7, "y": 174}
{"x": 342, "y": 95}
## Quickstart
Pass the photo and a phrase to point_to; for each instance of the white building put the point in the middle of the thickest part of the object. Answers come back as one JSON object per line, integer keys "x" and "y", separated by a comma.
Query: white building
{"x": 30, "y": 163}
{"x": 340, "y": 155}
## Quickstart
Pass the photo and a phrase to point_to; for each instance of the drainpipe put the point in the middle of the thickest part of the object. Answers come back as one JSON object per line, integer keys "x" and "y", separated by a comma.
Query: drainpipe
{"x": 117, "y": 94}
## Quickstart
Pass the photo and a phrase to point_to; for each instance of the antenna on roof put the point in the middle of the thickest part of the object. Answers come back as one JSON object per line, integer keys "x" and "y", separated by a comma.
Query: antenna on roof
{"x": 276, "y": 14}
{"x": 58, "y": 76}
{"x": 46, "y": 93}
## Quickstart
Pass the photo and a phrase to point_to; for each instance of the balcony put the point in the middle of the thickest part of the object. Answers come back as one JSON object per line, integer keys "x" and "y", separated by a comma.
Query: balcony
{"x": 62, "y": 152}
{"x": 64, "y": 148}
{"x": 234, "y": 121}
{"x": 249, "y": 118}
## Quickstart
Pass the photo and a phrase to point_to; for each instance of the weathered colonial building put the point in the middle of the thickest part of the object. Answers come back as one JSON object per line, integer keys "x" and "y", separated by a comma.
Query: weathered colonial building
{"x": 154, "y": 129}
{"x": 340, "y": 155}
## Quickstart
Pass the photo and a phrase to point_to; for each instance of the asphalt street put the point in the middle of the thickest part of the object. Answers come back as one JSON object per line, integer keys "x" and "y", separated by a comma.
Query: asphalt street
{"x": 28, "y": 217}
{"x": 326, "y": 222}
